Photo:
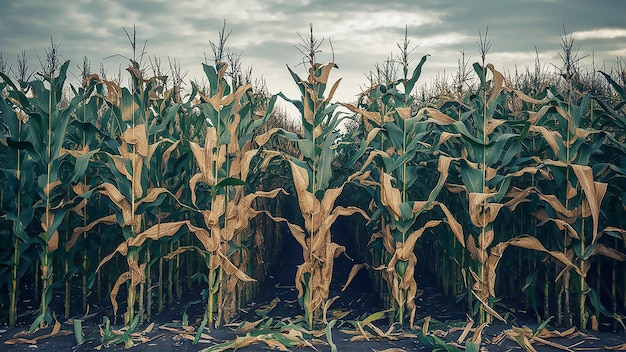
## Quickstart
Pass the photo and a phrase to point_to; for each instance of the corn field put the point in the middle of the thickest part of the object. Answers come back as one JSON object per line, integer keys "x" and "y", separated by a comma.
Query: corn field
{"x": 504, "y": 189}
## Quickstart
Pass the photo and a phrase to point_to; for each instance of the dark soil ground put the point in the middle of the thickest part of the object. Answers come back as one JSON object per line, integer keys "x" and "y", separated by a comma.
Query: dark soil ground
{"x": 447, "y": 322}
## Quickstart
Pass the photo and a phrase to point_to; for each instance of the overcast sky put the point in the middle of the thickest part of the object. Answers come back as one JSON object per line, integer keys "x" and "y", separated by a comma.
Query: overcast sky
{"x": 363, "y": 33}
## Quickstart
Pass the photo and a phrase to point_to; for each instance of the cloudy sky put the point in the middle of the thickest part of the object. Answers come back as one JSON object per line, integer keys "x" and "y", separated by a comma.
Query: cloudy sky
{"x": 363, "y": 33}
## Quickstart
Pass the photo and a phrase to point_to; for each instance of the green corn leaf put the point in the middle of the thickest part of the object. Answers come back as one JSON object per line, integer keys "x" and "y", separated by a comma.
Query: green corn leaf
{"x": 78, "y": 331}
{"x": 329, "y": 335}
{"x": 200, "y": 330}
{"x": 375, "y": 316}
{"x": 472, "y": 178}
{"x": 416, "y": 75}
{"x": 230, "y": 181}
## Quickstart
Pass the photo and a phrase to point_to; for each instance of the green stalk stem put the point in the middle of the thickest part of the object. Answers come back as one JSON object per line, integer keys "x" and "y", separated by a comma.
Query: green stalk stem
{"x": 16, "y": 239}
{"x": 483, "y": 316}
{"x": 170, "y": 276}
{"x": 582, "y": 314}
{"x": 546, "y": 295}
{"x": 209, "y": 309}
{"x": 46, "y": 264}
{"x": 141, "y": 309}
{"x": 85, "y": 254}
{"x": 160, "y": 288}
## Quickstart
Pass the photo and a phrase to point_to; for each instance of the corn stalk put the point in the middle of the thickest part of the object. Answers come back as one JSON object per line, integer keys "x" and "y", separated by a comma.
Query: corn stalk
{"x": 311, "y": 176}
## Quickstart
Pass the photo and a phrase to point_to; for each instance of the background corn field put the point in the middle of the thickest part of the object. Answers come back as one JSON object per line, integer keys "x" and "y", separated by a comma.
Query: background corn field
{"x": 504, "y": 189}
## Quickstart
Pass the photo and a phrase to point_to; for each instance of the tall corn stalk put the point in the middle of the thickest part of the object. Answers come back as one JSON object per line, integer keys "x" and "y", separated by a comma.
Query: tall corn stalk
{"x": 572, "y": 146}
{"x": 311, "y": 176}
{"x": 224, "y": 208}
{"x": 55, "y": 169}
{"x": 404, "y": 142}
{"x": 484, "y": 170}
{"x": 128, "y": 185}
{"x": 19, "y": 192}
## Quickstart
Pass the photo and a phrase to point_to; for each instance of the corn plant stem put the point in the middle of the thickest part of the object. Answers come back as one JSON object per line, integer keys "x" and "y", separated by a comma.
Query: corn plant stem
{"x": 85, "y": 267}
{"x": 582, "y": 315}
{"x": 132, "y": 293}
{"x": 15, "y": 263}
{"x": 220, "y": 300}
{"x": 130, "y": 312}
{"x": 66, "y": 263}
{"x": 46, "y": 280}
{"x": 404, "y": 199}
{"x": 624, "y": 282}
{"x": 84, "y": 216}
{"x": 99, "y": 276}
{"x": 209, "y": 308}
{"x": 16, "y": 239}
{"x": 170, "y": 275}
{"x": 177, "y": 284}
{"x": 312, "y": 236}
{"x": 141, "y": 308}
{"x": 483, "y": 316}
{"x": 598, "y": 283}
{"x": 404, "y": 192}
{"x": 189, "y": 265}
{"x": 567, "y": 182}
{"x": 614, "y": 285}
{"x": 546, "y": 295}
{"x": 160, "y": 288}
{"x": 46, "y": 264}
{"x": 147, "y": 307}
{"x": 37, "y": 277}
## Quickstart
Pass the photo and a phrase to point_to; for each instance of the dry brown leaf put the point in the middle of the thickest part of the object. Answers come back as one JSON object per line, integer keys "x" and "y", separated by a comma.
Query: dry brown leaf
{"x": 404, "y": 113}
{"x": 492, "y": 125}
{"x": 498, "y": 79}
{"x": 470, "y": 244}
{"x": 551, "y": 344}
{"x": 466, "y": 331}
{"x": 600, "y": 249}
{"x": 436, "y": 116}
{"x": 115, "y": 289}
{"x": 481, "y": 212}
{"x": 355, "y": 269}
{"x": 390, "y": 196}
{"x": 248, "y": 326}
{"x": 529, "y": 99}
{"x": 309, "y": 205}
{"x": 530, "y": 242}
{"x": 325, "y": 308}
{"x": 368, "y": 117}
{"x": 549, "y": 136}
{"x": 130, "y": 112}
{"x": 489, "y": 310}
{"x": 230, "y": 269}
{"x": 324, "y": 71}
{"x": 156, "y": 232}
{"x": 370, "y": 158}
{"x": 333, "y": 89}
{"x": 19, "y": 341}
{"x": 520, "y": 335}
{"x": 478, "y": 333}
{"x": 265, "y": 137}
{"x": 138, "y": 137}
{"x": 455, "y": 226}
{"x": 50, "y": 186}
{"x": 594, "y": 193}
